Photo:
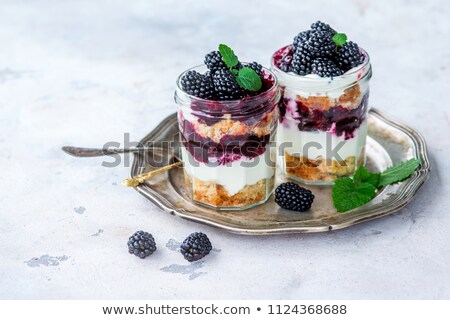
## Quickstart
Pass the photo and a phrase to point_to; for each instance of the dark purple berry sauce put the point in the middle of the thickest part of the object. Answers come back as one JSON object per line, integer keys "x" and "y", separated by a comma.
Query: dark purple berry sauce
{"x": 283, "y": 58}
{"x": 337, "y": 119}
{"x": 230, "y": 147}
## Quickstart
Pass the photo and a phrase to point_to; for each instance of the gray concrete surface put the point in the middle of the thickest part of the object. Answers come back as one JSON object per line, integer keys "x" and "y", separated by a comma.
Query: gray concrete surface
{"x": 85, "y": 72}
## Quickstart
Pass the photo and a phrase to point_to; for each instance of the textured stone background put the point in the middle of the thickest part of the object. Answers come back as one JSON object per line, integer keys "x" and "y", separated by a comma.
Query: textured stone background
{"x": 84, "y": 72}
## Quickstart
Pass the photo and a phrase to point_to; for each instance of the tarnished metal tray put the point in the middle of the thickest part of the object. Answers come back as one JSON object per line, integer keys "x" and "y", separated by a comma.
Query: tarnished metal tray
{"x": 389, "y": 142}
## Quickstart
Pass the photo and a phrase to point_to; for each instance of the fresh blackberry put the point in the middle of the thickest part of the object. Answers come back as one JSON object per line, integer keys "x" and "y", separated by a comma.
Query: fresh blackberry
{"x": 196, "y": 246}
{"x": 291, "y": 196}
{"x": 349, "y": 56}
{"x": 320, "y": 44}
{"x": 301, "y": 38}
{"x": 225, "y": 85}
{"x": 141, "y": 244}
{"x": 325, "y": 68}
{"x": 198, "y": 85}
{"x": 256, "y": 67}
{"x": 321, "y": 26}
{"x": 301, "y": 62}
{"x": 213, "y": 61}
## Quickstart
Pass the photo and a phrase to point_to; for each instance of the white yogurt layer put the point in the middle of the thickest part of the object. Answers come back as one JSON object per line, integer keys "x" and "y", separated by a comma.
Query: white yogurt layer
{"x": 233, "y": 176}
{"x": 315, "y": 144}
{"x": 314, "y": 85}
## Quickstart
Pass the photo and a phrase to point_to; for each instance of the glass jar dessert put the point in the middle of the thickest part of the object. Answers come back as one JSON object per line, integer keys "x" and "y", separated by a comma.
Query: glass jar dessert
{"x": 229, "y": 152}
{"x": 323, "y": 109}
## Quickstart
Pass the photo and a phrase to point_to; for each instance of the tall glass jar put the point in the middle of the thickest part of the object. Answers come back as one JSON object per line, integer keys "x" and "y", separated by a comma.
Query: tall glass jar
{"x": 229, "y": 152}
{"x": 323, "y": 122}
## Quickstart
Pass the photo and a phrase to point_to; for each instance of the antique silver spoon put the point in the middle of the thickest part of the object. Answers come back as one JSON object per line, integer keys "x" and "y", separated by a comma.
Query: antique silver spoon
{"x": 98, "y": 152}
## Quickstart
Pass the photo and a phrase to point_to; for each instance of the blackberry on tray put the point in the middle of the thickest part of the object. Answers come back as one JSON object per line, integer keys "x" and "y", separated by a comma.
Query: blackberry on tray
{"x": 291, "y": 196}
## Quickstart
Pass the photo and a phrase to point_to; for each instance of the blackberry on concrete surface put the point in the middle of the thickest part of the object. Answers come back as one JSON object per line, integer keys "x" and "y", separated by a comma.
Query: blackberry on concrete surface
{"x": 213, "y": 61}
{"x": 225, "y": 85}
{"x": 301, "y": 62}
{"x": 321, "y": 26}
{"x": 196, "y": 246}
{"x": 324, "y": 67}
{"x": 141, "y": 244}
{"x": 291, "y": 196}
{"x": 197, "y": 84}
{"x": 349, "y": 56}
{"x": 320, "y": 44}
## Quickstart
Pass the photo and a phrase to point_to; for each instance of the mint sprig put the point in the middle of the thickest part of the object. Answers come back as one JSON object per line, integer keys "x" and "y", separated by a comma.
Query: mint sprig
{"x": 339, "y": 39}
{"x": 398, "y": 172}
{"x": 348, "y": 194}
{"x": 351, "y": 193}
{"x": 228, "y": 56}
{"x": 364, "y": 175}
{"x": 246, "y": 77}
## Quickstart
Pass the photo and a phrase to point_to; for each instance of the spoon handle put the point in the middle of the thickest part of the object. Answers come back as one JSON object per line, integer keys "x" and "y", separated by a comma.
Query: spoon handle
{"x": 98, "y": 152}
{"x": 141, "y": 178}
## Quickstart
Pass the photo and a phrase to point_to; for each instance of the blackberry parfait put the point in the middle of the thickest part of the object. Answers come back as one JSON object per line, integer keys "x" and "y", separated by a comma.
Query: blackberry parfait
{"x": 228, "y": 117}
{"x": 324, "y": 81}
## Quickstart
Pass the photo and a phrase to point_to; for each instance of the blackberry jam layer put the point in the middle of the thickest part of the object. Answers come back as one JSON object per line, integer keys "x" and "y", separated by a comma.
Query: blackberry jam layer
{"x": 283, "y": 57}
{"x": 339, "y": 120}
{"x": 229, "y": 148}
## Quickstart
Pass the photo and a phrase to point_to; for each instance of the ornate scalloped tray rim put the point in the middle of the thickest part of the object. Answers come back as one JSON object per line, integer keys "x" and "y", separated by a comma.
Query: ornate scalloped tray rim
{"x": 402, "y": 198}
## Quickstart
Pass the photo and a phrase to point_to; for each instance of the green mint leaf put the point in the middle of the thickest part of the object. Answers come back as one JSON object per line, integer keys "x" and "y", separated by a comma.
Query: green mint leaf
{"x": 351, "y": 193}
{"x": 340, "y": 39}
{"x": 348, "y": 195}
{"x": 248, "y": 79}
{"x": 364, "y": 175}
{"x": 398, "y": 172}
{"x": 234, "y": 72}
{"x": 228, "y": 56}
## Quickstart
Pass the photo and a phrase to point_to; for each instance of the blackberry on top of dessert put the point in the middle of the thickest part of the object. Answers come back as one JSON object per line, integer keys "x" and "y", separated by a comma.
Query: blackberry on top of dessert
{"x": 227, "y": 78}
{"x": 321, "y": 51}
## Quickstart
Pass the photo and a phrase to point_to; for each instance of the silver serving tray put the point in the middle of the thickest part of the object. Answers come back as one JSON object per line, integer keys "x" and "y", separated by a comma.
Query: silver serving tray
{"x": 388, "y": 142}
